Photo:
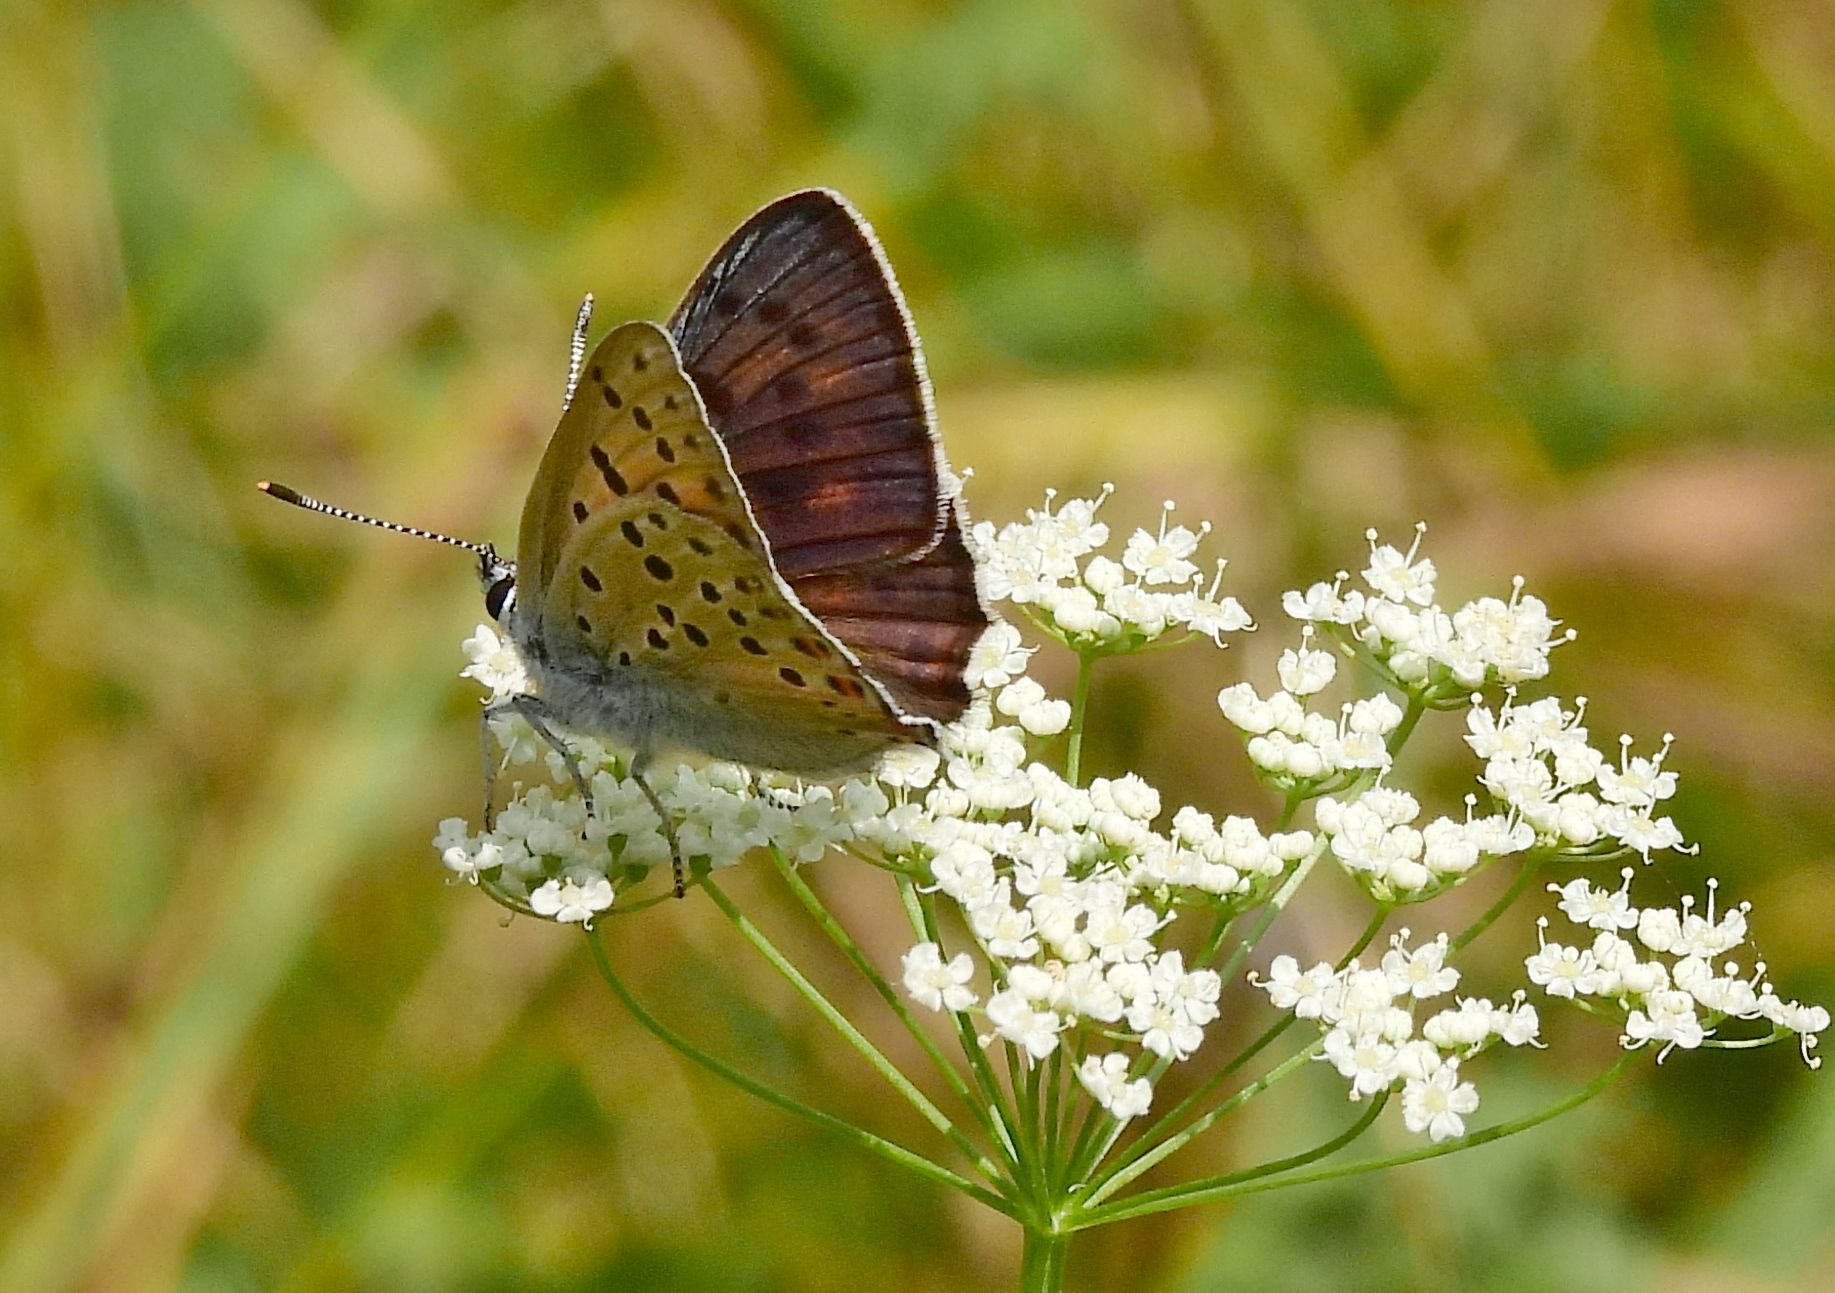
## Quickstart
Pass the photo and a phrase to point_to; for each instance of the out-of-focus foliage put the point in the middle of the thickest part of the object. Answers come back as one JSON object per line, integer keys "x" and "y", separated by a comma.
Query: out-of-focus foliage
{"x": 1558, "y": 277}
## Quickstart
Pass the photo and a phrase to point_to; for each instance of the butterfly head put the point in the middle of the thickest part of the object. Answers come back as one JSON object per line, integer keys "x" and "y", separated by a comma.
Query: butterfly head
{"x": 497, "y": 578}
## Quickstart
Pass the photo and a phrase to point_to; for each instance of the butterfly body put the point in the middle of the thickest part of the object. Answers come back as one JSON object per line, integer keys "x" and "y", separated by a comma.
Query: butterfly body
{"x": 742, "y": 539}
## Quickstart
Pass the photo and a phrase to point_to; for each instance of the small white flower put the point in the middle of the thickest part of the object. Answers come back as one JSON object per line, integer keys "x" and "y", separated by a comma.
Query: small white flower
{"x": 1305, "y": 672}
{"x": 935, "y": 983}
{"x": 1106, "y": 1079}
{"x": 1303, "y": 992}
{"x": 1464, "y": 1026}
{"x": 1597, "y": 908}
{"x": 1563, "y": 971}
{"x": 1015, "y": 1019}
{"x": 1422, "y": 973}
{"x": 1397, "y": 575}
{"x": 997, "y": 659}
{"x": 1367, "y": 1060}
{"x": 1324, "y": 604}
{"x": 1669, "y": 1017}
{"x": 575, "y": 898}
{"x": 1437, "y": 1104}
{"x": 1162, "y": 558}
{"x": 495, "y": 663}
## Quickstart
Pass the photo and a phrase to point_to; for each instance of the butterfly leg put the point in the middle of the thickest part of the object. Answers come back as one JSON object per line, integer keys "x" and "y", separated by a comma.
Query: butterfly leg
{"x": 638, "y": 766}
{"x": 490, "y": 769}
{"x": 536, "y": 715}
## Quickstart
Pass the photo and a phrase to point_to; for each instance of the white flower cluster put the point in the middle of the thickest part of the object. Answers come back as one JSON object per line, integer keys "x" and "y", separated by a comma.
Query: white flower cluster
{"x": 1293, "y": 747}
{"x": 1373, "y": 837}
{"x": 1370, "y": 1033}
{"x": 1436, "y": 652}
{"x": 545, "y": 852}
{"x": 1068, "y": 895}
{"x": 1539, "y": 765}
{"x": 1051, "y": 565}
{"x": 1679, "y": 994}
{"x": 1066, "y": 892}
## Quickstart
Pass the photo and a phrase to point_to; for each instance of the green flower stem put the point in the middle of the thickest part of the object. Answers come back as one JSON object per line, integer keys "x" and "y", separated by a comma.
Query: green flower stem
{"x": 1276, "y": 1166}
{"x": 1054, "y": 1115}
{"x": 1042, "y": 1264}
{"x": 1223, "y": 1187}
{"x": 1157, "y": 1134}
{"x": 1273, "y": 908}
{"x": 1527, "y": 872}
{"x": 1023, "y": 1074}
{"x": 820, "y": 914}
{"x": 852, "y": 1035}
{"x": 1411, "y": 714}
{"x": 886, "y": 1149}
{"x": 1079, "y": 711}
{"x": 1173, "y": 1144}
{"x": 921, "y": 912}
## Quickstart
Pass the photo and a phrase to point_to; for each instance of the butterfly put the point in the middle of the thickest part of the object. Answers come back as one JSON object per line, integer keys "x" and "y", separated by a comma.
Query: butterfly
{"x": 743, "y": 538}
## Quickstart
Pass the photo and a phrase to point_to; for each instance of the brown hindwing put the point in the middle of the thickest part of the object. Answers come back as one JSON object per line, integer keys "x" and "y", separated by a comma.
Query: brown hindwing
{"x": 911, "y": 624}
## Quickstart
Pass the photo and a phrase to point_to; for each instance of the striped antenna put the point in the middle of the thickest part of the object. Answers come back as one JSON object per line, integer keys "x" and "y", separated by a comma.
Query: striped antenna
{"x": 576, "y": 353}
{"x": 293, "y": 496}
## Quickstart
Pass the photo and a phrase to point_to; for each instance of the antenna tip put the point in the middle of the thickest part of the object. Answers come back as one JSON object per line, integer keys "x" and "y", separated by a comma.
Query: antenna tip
{"x": 278, "y": 490}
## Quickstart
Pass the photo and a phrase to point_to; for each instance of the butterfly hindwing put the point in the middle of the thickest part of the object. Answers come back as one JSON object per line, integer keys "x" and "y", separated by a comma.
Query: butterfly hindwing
{"x": 910, "y": 624}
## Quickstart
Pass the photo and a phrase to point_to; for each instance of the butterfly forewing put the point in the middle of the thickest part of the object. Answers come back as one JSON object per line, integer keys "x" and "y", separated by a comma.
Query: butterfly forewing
{"x": 652, "y": 594}
{"x": 701, "y": 625}
{"x": 797, "y": 339}
{"x": 634, "y": 430}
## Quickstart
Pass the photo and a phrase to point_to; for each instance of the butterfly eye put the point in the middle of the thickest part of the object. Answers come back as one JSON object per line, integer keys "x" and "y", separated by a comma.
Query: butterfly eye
{"x": 499, "y": 597}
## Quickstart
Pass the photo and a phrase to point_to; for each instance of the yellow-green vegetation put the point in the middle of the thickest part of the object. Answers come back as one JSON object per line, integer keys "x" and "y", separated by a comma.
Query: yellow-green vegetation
{"x": 1557, "y": 277}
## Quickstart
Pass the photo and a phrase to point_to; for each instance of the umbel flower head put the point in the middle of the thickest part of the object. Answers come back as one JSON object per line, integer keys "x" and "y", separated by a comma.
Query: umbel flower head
{"x": 1081, "y": 928}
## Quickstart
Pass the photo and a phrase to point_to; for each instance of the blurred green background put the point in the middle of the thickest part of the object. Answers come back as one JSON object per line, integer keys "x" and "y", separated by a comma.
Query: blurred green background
{"x": 1557, "y": 277}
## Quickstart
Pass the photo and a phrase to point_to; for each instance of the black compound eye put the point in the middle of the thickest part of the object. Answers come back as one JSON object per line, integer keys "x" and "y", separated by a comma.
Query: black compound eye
{"x": 498, "y": 596}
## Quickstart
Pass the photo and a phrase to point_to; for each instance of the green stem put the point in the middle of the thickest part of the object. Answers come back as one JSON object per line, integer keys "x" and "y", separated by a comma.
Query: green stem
{"x": 1042, "y": 1263}
{"x": 1275, "y": 905}
{"x": 1531, "y": 864}
{"x": 1411, "y": 714}
{"x": 1054, "y": 1116}
{"x": 1223, "y": 1187}
{"x": 852, "y": 1035}
{"x": 1173, "y": 1144}
{"x": 1277, "y": 1166}
{"x": 1079, "y": 711}
{"x": 1157, "y": 1134}
{"x": 923, "y": 917}
{"x": 842, "y": 939}
{"x": 886, "y": 1149}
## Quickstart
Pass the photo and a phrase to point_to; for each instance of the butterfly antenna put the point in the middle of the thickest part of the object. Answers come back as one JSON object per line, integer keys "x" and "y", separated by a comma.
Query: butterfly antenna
{"x": 293, "y": 496}
{"x": 577, "y": 352}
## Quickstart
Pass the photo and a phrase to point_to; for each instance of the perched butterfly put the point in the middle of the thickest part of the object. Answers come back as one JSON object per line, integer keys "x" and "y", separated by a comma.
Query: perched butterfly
{"x": 743, "y": 539}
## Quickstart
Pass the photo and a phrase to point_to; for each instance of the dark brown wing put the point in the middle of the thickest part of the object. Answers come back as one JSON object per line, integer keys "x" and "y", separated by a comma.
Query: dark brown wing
{"x": 797, "y": 338}
{"x": 910, "y": 624}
